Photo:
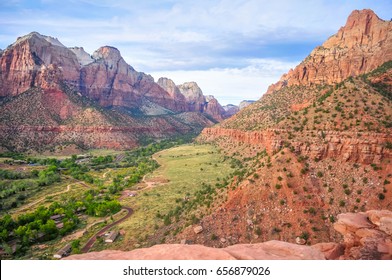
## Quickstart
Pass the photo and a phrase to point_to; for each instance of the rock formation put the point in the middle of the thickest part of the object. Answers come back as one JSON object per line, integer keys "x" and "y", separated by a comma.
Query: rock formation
{"x": 367, "y": 148}
{"x": 231, "y": 110}
{"x": 366, "y": 235}
{"x": 245, "y": 103}
{"x": 271, "y": 250}
{"x": 104, "y": 76}
{"x": 363, "y": 44}
{"x": 105, "y": 83}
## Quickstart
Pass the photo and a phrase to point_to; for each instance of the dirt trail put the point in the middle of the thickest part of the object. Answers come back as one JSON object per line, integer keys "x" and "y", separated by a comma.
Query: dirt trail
{"x": 154, "y": 182}
{"x": 43, "y": 198}
{"x": 105, "y": 174}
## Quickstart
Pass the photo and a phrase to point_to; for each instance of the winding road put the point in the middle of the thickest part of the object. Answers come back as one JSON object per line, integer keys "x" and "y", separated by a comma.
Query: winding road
{"x": 92, "y": 240}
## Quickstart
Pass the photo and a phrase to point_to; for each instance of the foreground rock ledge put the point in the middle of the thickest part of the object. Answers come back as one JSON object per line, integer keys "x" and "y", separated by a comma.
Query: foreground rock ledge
{"x": 366, "y": 235}
{"x": 270, "y": 250}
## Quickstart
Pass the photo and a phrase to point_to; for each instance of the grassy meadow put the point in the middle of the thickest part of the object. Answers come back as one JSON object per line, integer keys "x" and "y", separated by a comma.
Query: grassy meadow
{"x": 183, "y": 170}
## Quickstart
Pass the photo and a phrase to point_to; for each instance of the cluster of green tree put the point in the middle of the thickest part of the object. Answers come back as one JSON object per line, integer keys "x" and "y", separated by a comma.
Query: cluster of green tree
{"x": 13, "y": 155}
{"x": 12, "y": 175}
{"x": 70, "y": 167}
{"x": 43, "y": 161}
{"x": 100, "y": 160}
{"x": 37, "y": 226}
{"x": 47, "y": 223}
{"x": 15, "y": 187}
{"x": 98, "y": 205}
{"x": 48, "y": 176}
{"x": 10, "y": 188}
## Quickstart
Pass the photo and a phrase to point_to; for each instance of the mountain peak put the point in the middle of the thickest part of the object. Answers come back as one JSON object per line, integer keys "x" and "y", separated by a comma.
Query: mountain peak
{"x": 35, "y": 35}
{"x": 363, "y": 44}
{"x": 107, "y": 53}
{"x": 361, "y": 16}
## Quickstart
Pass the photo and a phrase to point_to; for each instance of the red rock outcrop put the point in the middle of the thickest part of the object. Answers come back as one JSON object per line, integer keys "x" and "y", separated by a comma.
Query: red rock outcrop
{"x": 213, "y": 108}
{"x": 25, "y": 63}
{"x": 363, "y": 44}
{"x": 169, "y": 86}
{"x": 364, "y": 148}
{"x": 366, "y": 235}
{"x": 271, "y": 250}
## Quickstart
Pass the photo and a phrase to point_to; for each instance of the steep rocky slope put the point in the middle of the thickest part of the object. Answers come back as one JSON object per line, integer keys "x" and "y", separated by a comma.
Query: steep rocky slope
{"x": 53, "y": 119}
{"x": 319, "y": 144}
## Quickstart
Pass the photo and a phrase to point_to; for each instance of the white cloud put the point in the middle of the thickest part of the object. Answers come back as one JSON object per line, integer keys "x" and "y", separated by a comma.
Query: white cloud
{"x": 232, "y": 85}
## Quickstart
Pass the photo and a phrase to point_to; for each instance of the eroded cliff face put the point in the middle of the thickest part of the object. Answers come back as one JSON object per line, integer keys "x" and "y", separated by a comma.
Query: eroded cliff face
{"x": 193, "y": 98}
{"x": 356, "y": 147}
{"x": 363, "y": 44}
{"x": 28, "y": 61}
{"x": 104, "y": 76}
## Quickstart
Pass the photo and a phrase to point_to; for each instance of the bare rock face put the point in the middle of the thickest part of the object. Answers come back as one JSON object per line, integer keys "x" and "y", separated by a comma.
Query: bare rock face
{"x": 194, "y": 96}
{"x": 366, "y": 235}
{"x": 112, "y": 82}
{"x": 24, "y": 64}
{"x": 245, "y": 104}
{"x": 271, "y": 250}
{"x": 198, "y": 229}
{"x": 230, "y": 110}
{"x": 83, "y": 57}
{"x": 331, "y": 250}
{"x": 213, "y": 108}
{"x": 104, "y": 77}
{"x": 197, "y": 102}
{"x": 363, "y": 44}
{"x": 169, "y": 86}
{"x": 274, "y": 250}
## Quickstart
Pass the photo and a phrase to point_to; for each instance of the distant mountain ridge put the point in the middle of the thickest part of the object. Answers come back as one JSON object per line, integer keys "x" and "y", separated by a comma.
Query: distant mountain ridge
{"x": 69, "y": 81}
{"x": 103, "y": 76}
{"x": 53, "y": 97}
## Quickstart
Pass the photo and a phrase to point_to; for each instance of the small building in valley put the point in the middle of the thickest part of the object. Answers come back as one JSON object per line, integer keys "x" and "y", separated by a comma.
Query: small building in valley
{"x": 111, "y": 236}
{"x": 63, "y": 252}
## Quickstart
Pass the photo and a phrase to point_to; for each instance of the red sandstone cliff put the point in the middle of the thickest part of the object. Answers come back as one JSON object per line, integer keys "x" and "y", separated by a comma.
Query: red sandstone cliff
{"x": 35, "y": 60}
{"x": 363, "y": 44}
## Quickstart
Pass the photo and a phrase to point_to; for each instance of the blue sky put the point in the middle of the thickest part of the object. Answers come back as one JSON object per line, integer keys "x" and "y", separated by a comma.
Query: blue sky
{"x": 233, "y": 49}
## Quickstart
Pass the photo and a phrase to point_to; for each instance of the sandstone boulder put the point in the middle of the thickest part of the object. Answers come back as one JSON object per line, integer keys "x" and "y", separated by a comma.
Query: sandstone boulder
{"x": 198, "y": 229}
{"x": 331, "y": 251}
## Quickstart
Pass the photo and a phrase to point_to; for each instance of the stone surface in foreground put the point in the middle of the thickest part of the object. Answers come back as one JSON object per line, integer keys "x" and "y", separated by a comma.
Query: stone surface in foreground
{"x": 271, "y": 250}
